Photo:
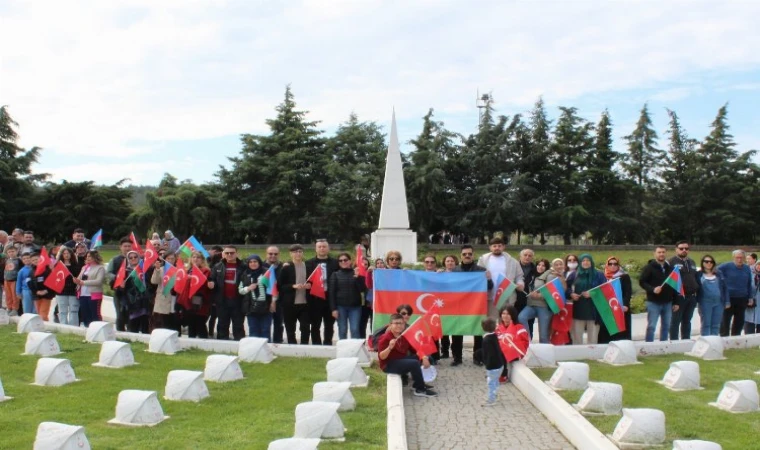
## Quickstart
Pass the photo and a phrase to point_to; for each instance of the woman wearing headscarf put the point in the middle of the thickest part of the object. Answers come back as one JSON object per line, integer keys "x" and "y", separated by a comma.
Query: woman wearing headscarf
{"x": 256, "y": 304}
{"x": 613, "y": 270}
{"x": 585, "y": 314}
{"x": 135, "y": 298}
{"x": 198, "y": 306}
{"x": 536, "y": 306}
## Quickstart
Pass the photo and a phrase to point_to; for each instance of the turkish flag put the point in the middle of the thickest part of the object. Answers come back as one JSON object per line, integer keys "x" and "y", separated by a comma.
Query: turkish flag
{"x": 181, "y": 276}
{"x": 121, "y": 275}
{"x": 151, "y": 255}
{"x": 360, "y": 261}
{"x": 514, "y": 343}
{"x": 197, "y": 280}
{"x": 317, "y": 280}
{"x": 560, "y": 337}
{"x": 431, "y": 322}
{"x": 135, "y": 244}
{"x": 57, "y": 278}
{"x": 42, "y": 263}
{"x": 421, "y": 334}
{"x": 563, "y": 320}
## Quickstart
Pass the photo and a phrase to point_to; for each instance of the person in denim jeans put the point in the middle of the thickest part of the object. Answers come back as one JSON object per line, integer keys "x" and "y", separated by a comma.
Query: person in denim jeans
{"x": 536, "y": 306}
{"x": 345, "y": 291}
{"x": 493, "y": 359}
{"x": 22, "y": 283}
{"x": 752, "y": 313}
{"x": 712, "y": 297}
{"x": 659, "y": 297}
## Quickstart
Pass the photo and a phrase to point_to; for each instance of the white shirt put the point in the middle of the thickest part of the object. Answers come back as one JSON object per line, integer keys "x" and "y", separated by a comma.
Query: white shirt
{"x": 497, "y": 264}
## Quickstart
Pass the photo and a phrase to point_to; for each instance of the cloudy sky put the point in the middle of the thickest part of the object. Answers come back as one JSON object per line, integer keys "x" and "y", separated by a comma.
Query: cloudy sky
{"x": 114, "y": 89}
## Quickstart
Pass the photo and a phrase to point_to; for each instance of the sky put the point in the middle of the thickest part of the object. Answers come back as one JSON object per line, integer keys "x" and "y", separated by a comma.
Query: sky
{"x": 134, "y": 89}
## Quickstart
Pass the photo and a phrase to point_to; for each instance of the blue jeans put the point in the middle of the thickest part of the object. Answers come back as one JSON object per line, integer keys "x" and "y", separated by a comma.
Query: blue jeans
{"x": 712, "y": 314}
{"x": 68, "y": 309}
{"x": 544, "y": 320}
{"x": 259, "y": 325}
{"x": 27, "y": 301}
{"x": 492, "y": 377}
{"x": 655, "y": 311}
{"x": 349, "y": 316}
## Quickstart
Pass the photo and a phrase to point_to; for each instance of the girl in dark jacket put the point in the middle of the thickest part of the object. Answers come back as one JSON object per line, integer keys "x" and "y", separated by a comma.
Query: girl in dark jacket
{"x": 256, "y": 303}
{"x": 345, "y": 295}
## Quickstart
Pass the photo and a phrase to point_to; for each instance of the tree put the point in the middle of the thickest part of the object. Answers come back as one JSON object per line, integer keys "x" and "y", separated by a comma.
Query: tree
{"x": 535, "y": 194}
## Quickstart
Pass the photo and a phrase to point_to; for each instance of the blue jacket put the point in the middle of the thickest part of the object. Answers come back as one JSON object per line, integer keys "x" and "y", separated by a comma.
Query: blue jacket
{"x": 738, "y": 279}
{"x": 724, "y": 298}
{"x": 752, "y": 314}
{"x": 24, "y": 275}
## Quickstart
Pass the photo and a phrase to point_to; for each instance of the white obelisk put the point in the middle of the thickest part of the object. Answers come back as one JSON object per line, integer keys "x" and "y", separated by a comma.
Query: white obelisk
{"x": 393, "y": 231}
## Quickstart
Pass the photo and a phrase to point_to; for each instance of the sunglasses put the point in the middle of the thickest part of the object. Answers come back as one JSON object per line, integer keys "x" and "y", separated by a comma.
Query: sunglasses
{"x": 466, "y": 254}
{"x": 429, "y": 262}
{"x": 344, "y": 260}
{"x": 272, "y": 254}
{"x": 228, "y": 253}
{"x": 404, "y": 313}
{"x": 707, "y": 261}
{"x": 613, "y": 264}
{"x": 393, "y": 258}
{"x": 683, "y": 249}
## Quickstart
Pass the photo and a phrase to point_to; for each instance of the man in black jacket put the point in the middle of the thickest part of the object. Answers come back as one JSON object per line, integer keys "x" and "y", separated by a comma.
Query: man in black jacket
{"x": 223, "y": 282}
{"x": 681, "y": 319}
{"x": 467, "y": 264}
{"x": 273, "y": 260}
{"x": 659, "y": 297}
{"x": 291, "y": 281}
{"x": 319, "y": 309}
{"x": 122, "y": 316}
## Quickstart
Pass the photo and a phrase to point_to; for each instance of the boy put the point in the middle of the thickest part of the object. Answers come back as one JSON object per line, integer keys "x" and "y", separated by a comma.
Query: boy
{"x": 22, "y": 283}
{"x": 493, "y": 359}
{"x": 10, "y": 273}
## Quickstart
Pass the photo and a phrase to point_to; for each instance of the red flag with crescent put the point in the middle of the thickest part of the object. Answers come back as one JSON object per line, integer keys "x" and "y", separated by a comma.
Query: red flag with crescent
{"x": 422, "y": 333}
{"x": 180, "y": 276}
{"x": 135, "y": 244}
{"x": 57, "y": 278}
{"x": 42, "y": 263}
{"x": 197, "y": 280}
{"x": 317, "y": 280}
{"x": 151, "y": 255}
{"x": 514, "y": 342}
{"x": 121, "y": 275}
{"x": 360, "y": 261}
{"x": 563, "y": 320}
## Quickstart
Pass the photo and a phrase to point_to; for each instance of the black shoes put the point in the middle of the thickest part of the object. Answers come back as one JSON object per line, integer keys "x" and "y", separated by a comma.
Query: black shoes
{"x": 444, "y": 355}
{"x": 425, "y": 393}
{"x": 456, "y": 362}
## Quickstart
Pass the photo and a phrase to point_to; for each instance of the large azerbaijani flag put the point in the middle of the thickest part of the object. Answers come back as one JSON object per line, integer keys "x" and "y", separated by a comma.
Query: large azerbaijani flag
{"x": 460, "y": 296}
{"x": 607, "y": 298}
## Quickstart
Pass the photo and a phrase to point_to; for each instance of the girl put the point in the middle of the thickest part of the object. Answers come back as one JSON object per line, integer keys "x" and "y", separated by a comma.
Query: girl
{"x": 68, "y": 303}
{"x": 514, "y": 336}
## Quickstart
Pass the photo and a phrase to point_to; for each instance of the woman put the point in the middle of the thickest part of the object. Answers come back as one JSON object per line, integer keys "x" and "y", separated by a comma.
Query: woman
{"x": 68, "y": 303}
{"x": 256, "y": 305}
{"x": 752, "y": 313}
{"x": 90, "y": 284}
{"x": 135, "y": 299}
{"x": 585, "y": 315}
{"x": 449, "y": 263}
{"x": 536, "y": 306}
{"x": 562, "y": 322}
{"x": 430, "y": 264}
{"x": 163, "y": 305}
{"x": 613, "y": 270}
{"x": 571, "y": 264}
{"x": 393, "y": 259}
{"x": 712, "y": 296}
{"x": 368, "y": 297}
{"x": 513, "y": 335}
{"x": 345, "y": 291}
{"x": 197, "y": 307}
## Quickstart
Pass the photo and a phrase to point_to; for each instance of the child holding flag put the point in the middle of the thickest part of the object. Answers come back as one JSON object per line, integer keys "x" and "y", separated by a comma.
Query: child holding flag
{"x": 493, "y": 359}
{"x": 513, "y": 338}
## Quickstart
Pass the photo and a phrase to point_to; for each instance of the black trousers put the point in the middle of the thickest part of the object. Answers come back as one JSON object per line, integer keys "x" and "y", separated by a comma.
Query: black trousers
{"x": 366, "y": 319}
{"x": 456, "y": 347}
{"x": 122, "y": 316}
{"x": 139, "y": 324}
{"x": 278, "y": 324}
{"x": 291, "y": 315}
{"x": 319, "y": 311}
{"x": 735, "y": 312}
{"x": 228, "y": 310}
{"x": 196, "y": 325}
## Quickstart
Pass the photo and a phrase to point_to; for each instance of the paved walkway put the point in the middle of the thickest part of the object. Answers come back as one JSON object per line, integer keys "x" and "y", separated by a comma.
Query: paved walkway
{"x": 455, "y": 420}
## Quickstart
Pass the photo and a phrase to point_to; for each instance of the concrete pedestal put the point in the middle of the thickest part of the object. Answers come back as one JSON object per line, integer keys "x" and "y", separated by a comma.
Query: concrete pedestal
{"x": 404, "y": 241}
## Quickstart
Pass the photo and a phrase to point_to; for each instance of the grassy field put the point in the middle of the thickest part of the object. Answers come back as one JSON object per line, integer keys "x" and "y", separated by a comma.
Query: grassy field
{"x": 687, "y": 414}
{"x": 245, "y": 414}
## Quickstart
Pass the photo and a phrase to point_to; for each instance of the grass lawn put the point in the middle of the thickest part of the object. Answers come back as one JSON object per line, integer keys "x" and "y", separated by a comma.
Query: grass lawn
{"x": 687, "y": 414}
{"x": 245, "y": 414}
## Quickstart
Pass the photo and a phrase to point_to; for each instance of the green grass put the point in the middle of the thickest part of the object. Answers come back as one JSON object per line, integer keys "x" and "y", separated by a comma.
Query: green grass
{"x": 245, "y": 414}
{"x": 687, "y": 414}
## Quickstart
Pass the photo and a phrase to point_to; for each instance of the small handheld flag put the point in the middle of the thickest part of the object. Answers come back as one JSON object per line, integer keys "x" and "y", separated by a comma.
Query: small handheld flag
{"x": 192, "y": 245}
{"x": 554, "y": 294}
{"x": 607, "y": 298}
{"x": 97, "y": 240}
{"x": 169, "y": 278}
{"x": 151, "y": 255}
{"x": 674, "y": 281}
{"x": 504, "y": 289}
{"x": 135, "y": 244}
{"x": 121, "y": 275}
{"x": 317, "y": 280}
{"x": 57, "y": 278}
{"x": 42, "y": 263}
{"x": 197, "y": 280}
{"x": 270, "y": 282}
{"x": 360, "y": 261}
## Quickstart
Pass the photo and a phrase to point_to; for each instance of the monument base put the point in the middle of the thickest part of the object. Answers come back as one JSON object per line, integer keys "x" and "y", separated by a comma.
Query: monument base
{"x": 404, "y": 241}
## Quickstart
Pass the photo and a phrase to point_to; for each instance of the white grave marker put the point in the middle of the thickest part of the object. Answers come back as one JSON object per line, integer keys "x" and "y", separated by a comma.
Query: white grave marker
{"x": 682, "y": 376}
{"x": 696, "y": 445}
{"x": 640, "y": 426}
{"x": 41, "y": 344}
{"x": 222, "y": 368}
{"x": 164, "y": 341}
{"x": 319, "y": 420}
{"x": 185, "y": 385}
{"x": 620, "y": 353}
{"x": 294, "y": 444}
{"x": 601, "y": 399}
{"x": 253, "y": 349}
{"x": 59, "y": 436}
{"x": 334, "y": 391}
{"x": 138, "y": 409}
{"x": 738, "y": 397}
{"x": 3, "y": 397}
{"x": 540, "y": 355}
{"x": 708, "y": 348}
{"x": 100, "y": 332}
{"x": 115, "y": 355}
{"x": 347, "y": 369}
{"x": 53, "y": 372}
{"x": 30, "y": 322}
{"x": 353, "y": 348}
{"x": 569, "y": 376}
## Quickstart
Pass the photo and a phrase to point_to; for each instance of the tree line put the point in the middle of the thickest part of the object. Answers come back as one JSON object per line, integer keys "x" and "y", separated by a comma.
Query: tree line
{"x": 526, "y": 175}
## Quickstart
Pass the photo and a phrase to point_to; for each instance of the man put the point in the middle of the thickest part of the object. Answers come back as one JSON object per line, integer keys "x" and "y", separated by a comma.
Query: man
{"x": 529, "y": 272}
{"x": 76, "y": 237}
{"x": 291, "y": 281}
{"x": 122, "y": 317}
{"x": 394, "y": 357}
{"x": 686, "y": 304}
{"x": 214, "y": 258}
{"x": 319, "y": 309}
{"x": 659, "y": 297}
{"x": 170, "y": 243}
{"x": 17, "y": 239}
{"x": 738, "y": 278}
{"x": 223, "y": 282}
{"x": 273, "y": 262}
{"x": 28, "y": 245}
{"x": 3, "y": 240}
{"x": 467, "y": 264}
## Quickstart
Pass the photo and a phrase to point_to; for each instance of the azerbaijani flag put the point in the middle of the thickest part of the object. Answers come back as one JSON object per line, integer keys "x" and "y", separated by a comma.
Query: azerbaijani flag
{"x": 504, "y": 289}
{"x": 169, "y": 278}
{"x": 137, "y": 278}
{"x": 270, "y": 281}
{"x": 192, "y": 245}
{"x": 460, "y": 297}
{"x": 97, "y": 240}
{"x": 607, "y": 298}
{"x": 554, "y": 294}
{"x": 674, "y": 280}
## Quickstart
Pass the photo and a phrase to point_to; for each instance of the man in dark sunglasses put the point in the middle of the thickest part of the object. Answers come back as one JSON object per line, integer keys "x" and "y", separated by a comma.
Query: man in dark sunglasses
{"x": 681, "y": 319}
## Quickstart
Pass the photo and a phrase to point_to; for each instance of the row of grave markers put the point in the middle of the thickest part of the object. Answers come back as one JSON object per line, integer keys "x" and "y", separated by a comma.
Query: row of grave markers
{"x": 315, "y": 420}
{"x": 643, "y": 426}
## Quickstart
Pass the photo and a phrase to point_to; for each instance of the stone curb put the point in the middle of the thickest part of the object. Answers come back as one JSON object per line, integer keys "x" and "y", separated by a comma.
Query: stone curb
{"x": 396, "y": 425}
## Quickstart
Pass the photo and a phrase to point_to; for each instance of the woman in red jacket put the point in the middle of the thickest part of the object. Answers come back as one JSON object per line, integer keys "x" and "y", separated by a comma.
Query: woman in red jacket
{"x": 514, "y": 338}
{"x": 198, "y": 307}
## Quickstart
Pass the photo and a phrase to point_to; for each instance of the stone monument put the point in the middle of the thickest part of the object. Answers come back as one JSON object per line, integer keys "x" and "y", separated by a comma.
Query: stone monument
{"x": 393, "y": 231}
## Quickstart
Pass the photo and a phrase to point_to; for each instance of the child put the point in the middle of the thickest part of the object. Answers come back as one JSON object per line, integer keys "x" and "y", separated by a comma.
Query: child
{"x": 42, "y": 295}
{"x": 493, "y": 359}
{"x": 10, "y": 272}
{"x": 22, "y": 284}
{"x": 514, "y": 337}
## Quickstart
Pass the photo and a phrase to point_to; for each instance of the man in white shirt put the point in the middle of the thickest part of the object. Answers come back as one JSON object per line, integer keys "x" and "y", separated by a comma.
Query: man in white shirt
{"x": 498, "y": 261}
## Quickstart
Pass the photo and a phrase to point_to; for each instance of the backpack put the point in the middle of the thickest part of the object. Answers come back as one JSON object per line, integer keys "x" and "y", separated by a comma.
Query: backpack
{"x": 374, "y": 339}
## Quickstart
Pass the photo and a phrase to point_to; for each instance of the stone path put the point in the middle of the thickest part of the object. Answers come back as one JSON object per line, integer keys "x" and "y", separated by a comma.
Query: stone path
{"x": 455, "y": 420}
